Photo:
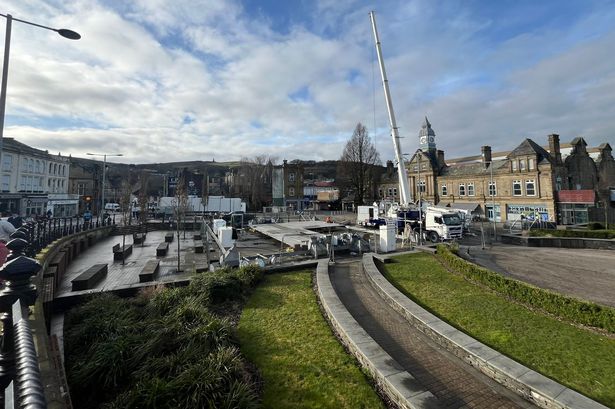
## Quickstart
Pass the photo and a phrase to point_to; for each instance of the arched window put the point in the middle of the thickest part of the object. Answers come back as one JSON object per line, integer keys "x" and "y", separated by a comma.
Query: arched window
{"x": 50, "y": 167}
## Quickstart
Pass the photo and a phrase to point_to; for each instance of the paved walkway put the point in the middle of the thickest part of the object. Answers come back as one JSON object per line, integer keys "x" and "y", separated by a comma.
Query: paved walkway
{"x": 455, "y": 383}
{"x": 583, "y": 273}
{"x": 126, "y": 275}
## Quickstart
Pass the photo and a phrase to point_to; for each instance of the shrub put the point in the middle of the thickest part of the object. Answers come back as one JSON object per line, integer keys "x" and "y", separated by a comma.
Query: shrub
{"x": 163, "y": 349}
{"x": 589, "y": 234}
{"x": 572, "y": 309}
{"x": 595, "y": 226}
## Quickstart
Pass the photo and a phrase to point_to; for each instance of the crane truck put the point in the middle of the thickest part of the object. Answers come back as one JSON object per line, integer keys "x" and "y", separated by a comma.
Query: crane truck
{"x": 434, "y": 223}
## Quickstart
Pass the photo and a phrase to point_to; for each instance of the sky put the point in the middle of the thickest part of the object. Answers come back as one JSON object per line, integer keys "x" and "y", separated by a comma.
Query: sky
{"x": 176, "y": 80}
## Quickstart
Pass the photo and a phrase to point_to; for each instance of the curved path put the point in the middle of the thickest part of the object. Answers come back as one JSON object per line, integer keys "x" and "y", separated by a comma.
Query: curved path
{"x": 455, "y": 383}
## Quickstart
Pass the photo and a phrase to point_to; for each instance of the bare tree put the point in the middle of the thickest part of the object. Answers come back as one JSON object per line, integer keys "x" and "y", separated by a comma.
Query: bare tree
{"x": 355, "y": 170}
{"x": 254, "y": 180}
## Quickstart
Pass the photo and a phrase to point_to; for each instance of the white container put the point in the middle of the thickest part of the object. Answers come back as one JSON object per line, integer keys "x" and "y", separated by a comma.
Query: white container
{"x": 225, "y": 235}
{"x": 217, "y": 224}
{"x": 387, "y": 238}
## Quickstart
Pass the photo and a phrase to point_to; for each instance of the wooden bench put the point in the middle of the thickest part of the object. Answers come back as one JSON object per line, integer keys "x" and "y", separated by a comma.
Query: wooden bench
{"x": 121, "y": 254}
{"x": 198, "y": 246}
{"x": 168, "y": 237}
{"x": 150, "y": 270}
{"x": 162, "y": 249}
{"x": 89, "y": 277}
{"x": 138, "y": 238}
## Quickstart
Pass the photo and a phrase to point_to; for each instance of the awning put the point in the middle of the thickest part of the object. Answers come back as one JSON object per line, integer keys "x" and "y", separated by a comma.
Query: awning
{"x": 469, "y": 207}
{"x": 586, "y": 196}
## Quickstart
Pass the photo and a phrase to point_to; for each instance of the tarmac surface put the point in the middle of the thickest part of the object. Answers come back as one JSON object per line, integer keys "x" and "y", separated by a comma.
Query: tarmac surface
{"x": 582, "y": 273}
{"x": 453, "y": 382}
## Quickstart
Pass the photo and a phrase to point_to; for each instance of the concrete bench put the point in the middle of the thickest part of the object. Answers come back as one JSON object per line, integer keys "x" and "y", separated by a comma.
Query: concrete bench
{"x": 169, "y": 237}
{"x": 121, "y": 254}
{"x": 150, "y": 270}
{"x": 162, "y": 249}
{"x": 198, "y": 246}
{"x": 90, "y": 277}
{"x": 138, "y": 238}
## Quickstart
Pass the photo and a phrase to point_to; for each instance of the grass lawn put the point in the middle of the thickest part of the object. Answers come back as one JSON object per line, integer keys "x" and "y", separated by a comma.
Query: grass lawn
{"x": 579, "y": 359}
{"x": 302, "y": 364}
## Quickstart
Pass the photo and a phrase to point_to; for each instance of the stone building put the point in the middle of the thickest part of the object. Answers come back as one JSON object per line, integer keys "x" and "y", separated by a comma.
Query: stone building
{"x": 33, "y": 181}
{"x": 564, "y": 184}
{"x": 287, "y": 186}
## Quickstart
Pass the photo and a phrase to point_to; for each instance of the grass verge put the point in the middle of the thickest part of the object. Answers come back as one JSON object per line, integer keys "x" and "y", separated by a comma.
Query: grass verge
{"x": 302, "y": 364}
{"x": 579, "y": 359}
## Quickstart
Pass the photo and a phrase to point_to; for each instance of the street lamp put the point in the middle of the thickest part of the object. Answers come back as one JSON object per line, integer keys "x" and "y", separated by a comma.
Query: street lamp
{"x": 104, "y": 155}
{"x": 5, "y": 67}
{"x": 492, "y": 192}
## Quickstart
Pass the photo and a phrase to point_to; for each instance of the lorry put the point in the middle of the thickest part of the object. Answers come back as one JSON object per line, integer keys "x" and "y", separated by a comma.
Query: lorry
{"x": 441, "y": 224}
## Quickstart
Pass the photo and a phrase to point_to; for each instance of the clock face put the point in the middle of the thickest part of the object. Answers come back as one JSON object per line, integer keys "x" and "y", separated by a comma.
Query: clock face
{"x": 423, "y": 139}
{"x": 431, "y": 139}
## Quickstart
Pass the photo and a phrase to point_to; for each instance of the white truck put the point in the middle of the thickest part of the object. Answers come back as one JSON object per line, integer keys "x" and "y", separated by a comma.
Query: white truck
{"x": 440, "y": 224}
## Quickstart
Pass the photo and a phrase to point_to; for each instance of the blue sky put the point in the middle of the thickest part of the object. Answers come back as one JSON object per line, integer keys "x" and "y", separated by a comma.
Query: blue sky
{"x": 163, "y": 80}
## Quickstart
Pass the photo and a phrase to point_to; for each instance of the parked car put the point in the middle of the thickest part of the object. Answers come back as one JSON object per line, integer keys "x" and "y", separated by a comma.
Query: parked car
{"x": 112, "y": 207}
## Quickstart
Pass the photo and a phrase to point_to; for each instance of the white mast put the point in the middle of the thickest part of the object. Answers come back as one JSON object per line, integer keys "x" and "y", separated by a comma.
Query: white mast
{"x": 404, "y": 191}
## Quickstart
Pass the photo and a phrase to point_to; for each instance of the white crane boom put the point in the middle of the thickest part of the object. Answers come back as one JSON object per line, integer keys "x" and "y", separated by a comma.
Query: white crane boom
{"x": 404, "y": 190}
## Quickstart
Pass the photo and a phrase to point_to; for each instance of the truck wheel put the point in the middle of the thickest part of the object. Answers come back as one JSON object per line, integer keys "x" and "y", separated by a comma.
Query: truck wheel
{"x": 433, "y": 237}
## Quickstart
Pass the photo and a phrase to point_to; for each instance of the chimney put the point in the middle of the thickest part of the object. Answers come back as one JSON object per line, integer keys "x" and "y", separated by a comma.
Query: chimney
{"x": 486, "y": 154}
{"x": 554, "y": 148}
{"x": 389, "y": 168}
{"x": 440, "y": 159}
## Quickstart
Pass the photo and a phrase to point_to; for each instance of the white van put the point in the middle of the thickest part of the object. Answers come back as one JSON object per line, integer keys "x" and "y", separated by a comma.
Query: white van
{"x": 112, "y": 207}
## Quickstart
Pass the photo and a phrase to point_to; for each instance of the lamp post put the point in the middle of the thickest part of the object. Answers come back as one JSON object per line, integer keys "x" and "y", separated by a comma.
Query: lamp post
{"x": 5, "y": 66}
{"x": 492, "y": 192}
{"x": 104, "y": 155}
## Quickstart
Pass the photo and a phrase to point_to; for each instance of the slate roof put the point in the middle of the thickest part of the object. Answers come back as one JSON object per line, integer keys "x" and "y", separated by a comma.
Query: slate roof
{"x": 10, "y": 143}
{"x": 529, "y": 147}
{"x": 474, "y": 168}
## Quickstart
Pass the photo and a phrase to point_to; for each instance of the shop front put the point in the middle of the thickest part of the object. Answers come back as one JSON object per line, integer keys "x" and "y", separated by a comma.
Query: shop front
{"x": 574, "y": 204}
{"x": 529, "y": 211}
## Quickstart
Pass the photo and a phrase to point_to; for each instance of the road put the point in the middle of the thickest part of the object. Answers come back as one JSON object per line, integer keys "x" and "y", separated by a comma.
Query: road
{"x": 583, "y": 273}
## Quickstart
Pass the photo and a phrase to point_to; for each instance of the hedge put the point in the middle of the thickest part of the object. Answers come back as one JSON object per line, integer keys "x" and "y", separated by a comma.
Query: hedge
{"x": 588, "y": 234}
{"x": 571, "y": 309}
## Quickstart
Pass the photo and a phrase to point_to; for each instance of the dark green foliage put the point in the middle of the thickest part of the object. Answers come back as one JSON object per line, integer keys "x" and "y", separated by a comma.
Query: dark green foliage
{"x": 163, "y": 349}
{"x": 595, "y": 226}
{"x": 572, "y": 309}
{"x": 587, "y": 234}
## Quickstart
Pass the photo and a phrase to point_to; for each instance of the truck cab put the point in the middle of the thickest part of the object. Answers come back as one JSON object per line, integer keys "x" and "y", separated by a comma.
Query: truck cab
{"x": 442, "y": 224}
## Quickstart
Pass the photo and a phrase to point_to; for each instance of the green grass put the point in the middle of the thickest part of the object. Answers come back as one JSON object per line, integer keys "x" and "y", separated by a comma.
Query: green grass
{"x": 302, "y": 364}
{"x": 579, "y": 359}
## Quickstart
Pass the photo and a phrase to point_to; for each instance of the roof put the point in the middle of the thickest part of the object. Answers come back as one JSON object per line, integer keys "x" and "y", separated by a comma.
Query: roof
{"x": 529, "y": 147}
{"x": 10, "y": 143}
{"x": 474, "y": 168}
{"x": 587, "y": 196}
{"x": 426, "y": 129}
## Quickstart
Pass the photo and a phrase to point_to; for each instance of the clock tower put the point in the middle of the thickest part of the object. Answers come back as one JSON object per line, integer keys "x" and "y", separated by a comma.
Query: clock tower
{"x": 427, "y": 137}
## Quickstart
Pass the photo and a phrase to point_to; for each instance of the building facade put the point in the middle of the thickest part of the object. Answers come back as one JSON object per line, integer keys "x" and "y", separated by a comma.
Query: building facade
{"x": 565, "y": 185}
{"x": 33, "y": 182}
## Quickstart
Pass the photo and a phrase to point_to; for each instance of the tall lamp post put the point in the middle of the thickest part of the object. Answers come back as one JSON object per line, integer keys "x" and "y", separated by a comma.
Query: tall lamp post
{"x": 5, "y": 66}
{"x": 104, "y": 155}
{"x": 492, "y": 192}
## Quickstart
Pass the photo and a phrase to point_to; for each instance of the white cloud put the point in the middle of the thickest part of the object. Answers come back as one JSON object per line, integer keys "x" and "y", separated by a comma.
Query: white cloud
{"x": 162, "y": 80}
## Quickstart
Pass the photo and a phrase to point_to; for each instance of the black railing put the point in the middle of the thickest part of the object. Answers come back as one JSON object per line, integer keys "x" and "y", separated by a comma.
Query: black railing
{"x": 20, "y": 380}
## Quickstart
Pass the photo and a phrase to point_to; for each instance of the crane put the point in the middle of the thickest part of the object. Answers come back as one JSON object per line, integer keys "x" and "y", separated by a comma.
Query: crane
{"x": 404, "y": 190}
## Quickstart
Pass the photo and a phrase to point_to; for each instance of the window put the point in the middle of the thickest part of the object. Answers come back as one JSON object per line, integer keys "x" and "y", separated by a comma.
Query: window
{"x": 379, "y": 191}
{"x": 422, "y": 186}
{"x": 50, "y": 167}
{"x": 462, "y": 189}
{"x": 24, "y": 166}
{"x": 522, "y": 164}
{"x": 492, "y": 189}
{"x": 444, "y": 190}
{"x": 530, "y": 164}
{"x": 530, "y": 187}
{"x": 394, "y": 192}
{"x": 291, "y": 177}
{"x": 31, "y": 165}
{"x": 7, "y": 162}
{"x": 390, "y": 192}
{"x": 81, "y": 189}
{"x": 416, "y": 168}
{"x": 516, "y": 188}
{"x": 22, "y": 183}
{"x": 558, "y": 183}
{"x": 514, "y": 165}
{"x": 6, "y": 180}
{"x": 291, "y": 192}
{"x": 470, "y": 189}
